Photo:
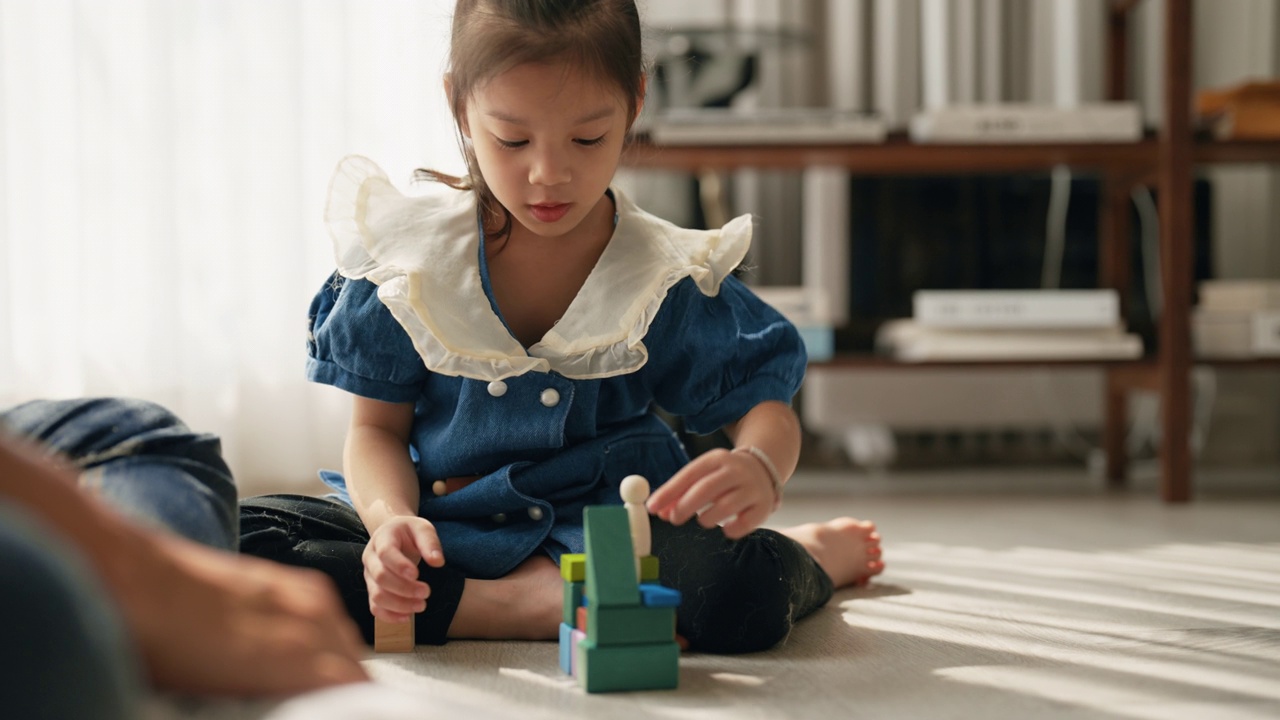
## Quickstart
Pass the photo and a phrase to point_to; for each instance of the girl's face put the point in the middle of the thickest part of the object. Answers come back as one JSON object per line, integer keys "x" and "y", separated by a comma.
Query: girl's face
{"x": 548, "y": 139}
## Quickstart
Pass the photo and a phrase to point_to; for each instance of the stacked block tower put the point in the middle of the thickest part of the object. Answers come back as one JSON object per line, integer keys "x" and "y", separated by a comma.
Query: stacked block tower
{"x": 618, "y": 630}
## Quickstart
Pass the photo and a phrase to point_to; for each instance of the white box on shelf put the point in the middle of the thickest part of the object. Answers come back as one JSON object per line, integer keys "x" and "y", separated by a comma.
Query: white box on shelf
{"x": 909, "y": 341}
{"x": 1241, "y": 295}
{"x": 765, "y": 126}
{"x": 1001, "y": 123}
{"x": 1266, "y": 333}
{"x": 1030, "y": 309}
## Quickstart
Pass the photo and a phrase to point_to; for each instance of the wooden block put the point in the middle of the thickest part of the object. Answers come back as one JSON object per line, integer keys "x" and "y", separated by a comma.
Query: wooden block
{"x": 654, "y": 595}
{"x": 572, "y": 600}
{"x": 392, "y": 637}
{"x": 566, "y": 648}
{"x": 628, "y": 667}
{"x": 576, "y": 640}
{"x": 573, "y": 567}
{"x": 649, "y": 568}
{"x": 637, "y": 625}
{"x": 611, "y": 566}
{"x": 581, "y": 619}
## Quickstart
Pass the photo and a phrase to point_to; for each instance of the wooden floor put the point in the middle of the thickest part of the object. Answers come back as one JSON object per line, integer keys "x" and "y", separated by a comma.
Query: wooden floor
{"x": 1010, "y": 594}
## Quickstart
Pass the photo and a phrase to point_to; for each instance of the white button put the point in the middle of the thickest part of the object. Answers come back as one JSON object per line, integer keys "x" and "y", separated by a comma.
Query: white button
{"x": 550, "y": 397}
{"x": 497, "y": 388}
{"x": 535, "y": 512}
{"x": 499, "y": 517}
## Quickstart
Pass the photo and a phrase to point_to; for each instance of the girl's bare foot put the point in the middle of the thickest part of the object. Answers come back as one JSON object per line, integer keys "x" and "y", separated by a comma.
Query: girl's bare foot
{"x": 846, "y": 548}
{"x": 524, "y": 605}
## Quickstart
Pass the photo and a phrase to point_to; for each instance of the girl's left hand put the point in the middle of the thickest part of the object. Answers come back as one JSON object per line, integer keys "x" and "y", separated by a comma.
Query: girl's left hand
{"x": 720, "y": 487}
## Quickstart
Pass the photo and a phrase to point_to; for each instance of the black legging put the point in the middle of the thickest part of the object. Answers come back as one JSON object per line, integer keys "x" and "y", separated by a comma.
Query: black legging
{"x": 737, "y": 595}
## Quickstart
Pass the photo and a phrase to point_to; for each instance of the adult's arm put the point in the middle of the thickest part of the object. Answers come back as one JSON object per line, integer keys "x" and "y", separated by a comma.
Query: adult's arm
{"x": 204, "y": 621}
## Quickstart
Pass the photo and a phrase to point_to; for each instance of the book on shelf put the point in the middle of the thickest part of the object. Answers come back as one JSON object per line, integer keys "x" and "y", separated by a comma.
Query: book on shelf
{"x": 1237, "y": 319}
{"x": 1027, "y": 309}
{"x": 909, "y": 341}
{"x": 1235, "y": 334}
{"x": 997, "y": 123}
{"x": 766, "y": 126}
{"x": 809, "y": 310}
{"x": 1240, "y": 295}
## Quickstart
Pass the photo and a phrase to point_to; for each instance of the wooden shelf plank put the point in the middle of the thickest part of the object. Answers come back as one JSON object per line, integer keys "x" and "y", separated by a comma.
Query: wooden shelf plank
{"x": 866, "y": 361}
{"x": 898, "y": 156}
{"x": 1236, "y": 151}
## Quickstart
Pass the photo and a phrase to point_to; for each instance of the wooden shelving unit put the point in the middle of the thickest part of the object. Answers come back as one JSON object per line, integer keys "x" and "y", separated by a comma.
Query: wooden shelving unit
{"x": 1165, "y": 160}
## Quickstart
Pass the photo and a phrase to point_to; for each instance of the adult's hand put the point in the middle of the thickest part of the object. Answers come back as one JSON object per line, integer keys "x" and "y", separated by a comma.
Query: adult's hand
{"x": 213, "y": 623}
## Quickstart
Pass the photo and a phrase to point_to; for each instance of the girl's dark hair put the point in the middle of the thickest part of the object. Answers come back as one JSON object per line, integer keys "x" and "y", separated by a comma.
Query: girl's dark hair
{"x": 601, "y": 38}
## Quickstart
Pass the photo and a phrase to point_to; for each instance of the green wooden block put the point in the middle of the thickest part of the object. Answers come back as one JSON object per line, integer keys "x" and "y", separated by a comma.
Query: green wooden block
{"x": 572, "y": 600}
{"x": 573, "y": 567}
{"x": 611, "y": 563}
{"x": 637, "y": 625}
{"x": 605, "y": 668}
{"x": 649, "y": 568}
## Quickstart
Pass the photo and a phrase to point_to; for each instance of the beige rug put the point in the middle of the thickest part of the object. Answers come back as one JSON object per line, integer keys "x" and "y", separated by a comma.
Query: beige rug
{"x": 1027, "y": 595}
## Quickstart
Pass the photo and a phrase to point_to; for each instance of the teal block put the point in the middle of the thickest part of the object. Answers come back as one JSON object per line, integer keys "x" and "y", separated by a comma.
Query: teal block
{"x": 652, "y": 595}
{"x": 572, "y": 601}
{"x": 634, "y": 625}
{"x": 611, "y": 563}
{"x": 612, "y": 668}
{"x": 566, "y": 648}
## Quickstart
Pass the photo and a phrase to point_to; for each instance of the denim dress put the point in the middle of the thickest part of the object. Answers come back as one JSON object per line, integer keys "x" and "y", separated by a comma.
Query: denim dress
{"x": 410, "y": 316}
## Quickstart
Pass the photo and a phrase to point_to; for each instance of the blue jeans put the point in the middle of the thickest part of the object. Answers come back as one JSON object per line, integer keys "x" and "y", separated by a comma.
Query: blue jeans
{"x": 738, "y": 595}
{"x": 64, "y": 652}
{"x": 141, "y": 459}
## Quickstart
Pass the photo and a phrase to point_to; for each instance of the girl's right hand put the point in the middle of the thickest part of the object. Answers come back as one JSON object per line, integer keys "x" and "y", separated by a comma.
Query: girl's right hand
{"x": 391, "y": 567}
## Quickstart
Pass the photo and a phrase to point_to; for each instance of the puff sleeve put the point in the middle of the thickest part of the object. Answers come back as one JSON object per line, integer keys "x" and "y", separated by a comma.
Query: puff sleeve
{"x": 713, "y": 358}
{"x": 355, "y": 344}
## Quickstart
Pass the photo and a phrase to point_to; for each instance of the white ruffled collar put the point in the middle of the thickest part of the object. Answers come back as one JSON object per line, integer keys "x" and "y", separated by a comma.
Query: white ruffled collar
{"x": 423, "y": 253}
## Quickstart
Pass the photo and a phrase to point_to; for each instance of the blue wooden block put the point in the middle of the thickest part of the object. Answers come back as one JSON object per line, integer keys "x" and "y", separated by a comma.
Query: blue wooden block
{"x": 566, "y": 648}
{"x": 653, "y": 595}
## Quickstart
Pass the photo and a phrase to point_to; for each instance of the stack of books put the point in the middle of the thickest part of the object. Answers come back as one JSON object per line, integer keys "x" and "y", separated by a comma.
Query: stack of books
{"x": 1237, "y": 319}
{"x": 809, "y": 310}
{"x": 1010, "y": 325}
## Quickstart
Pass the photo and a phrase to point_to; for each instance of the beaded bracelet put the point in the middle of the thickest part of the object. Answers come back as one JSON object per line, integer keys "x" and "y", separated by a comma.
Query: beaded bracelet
{"x": 769, "y": 467}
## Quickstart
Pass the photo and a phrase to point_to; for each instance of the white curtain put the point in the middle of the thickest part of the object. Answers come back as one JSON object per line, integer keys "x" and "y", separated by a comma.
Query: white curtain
{"x": 164, "y": 165}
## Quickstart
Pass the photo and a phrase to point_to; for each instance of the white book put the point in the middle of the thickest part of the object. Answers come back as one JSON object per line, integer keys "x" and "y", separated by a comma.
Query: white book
{"x": 997, "y": 123}
{"x": 801, "y": 305}
{"x": 771, "y": 126}
{"x": 1242, "y": 295}
{"x": 1027, "y": 309}
{"x": 909, "y": 341}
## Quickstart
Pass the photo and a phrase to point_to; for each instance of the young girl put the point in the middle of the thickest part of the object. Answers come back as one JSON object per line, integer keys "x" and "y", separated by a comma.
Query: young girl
{"x": 506, "y": 340}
